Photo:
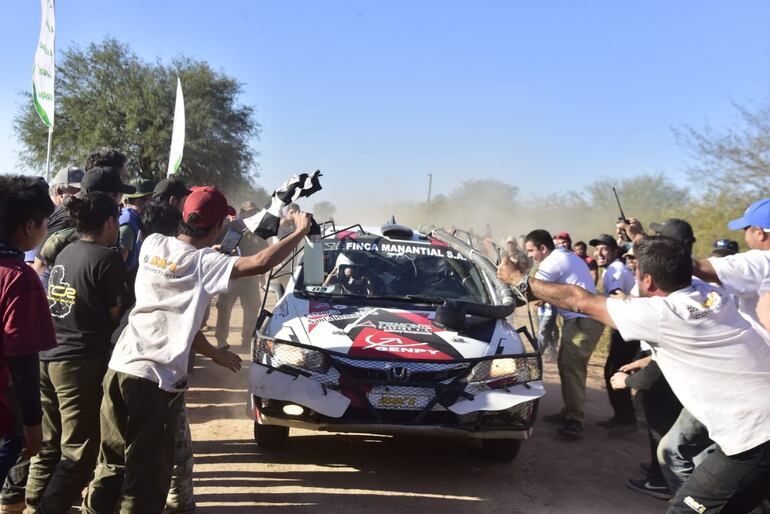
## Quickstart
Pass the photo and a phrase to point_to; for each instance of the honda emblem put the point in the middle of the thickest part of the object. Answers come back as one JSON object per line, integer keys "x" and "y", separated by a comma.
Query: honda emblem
{"x": 398, "y": 374}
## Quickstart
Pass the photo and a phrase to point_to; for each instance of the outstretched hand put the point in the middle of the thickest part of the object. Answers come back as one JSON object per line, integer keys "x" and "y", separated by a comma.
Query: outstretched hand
{"x": 508, "y": 271}
{"x": 227, "y": 359}
{"x": 302, "y": 221}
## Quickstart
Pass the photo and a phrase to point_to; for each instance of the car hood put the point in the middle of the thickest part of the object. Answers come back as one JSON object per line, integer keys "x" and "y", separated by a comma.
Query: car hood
{"x": 394, "y": 333}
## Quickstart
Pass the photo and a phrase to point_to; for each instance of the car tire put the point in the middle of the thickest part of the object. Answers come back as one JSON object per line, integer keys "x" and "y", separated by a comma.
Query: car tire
{"x": 502, "y": 450}
{"x": 271, "y": 437}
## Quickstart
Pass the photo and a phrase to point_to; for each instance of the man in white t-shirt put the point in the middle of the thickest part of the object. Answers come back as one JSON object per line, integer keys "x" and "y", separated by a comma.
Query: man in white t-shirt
{"x": 616, "y": 278}
{"x": 175, "y": 282}
{"x": 714, "y": 359}
{"x": 746, "y": 275}
{"x": 579, "y": 333}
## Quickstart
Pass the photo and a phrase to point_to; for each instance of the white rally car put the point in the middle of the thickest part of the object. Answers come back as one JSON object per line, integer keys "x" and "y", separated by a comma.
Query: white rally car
{"x": 407, "y": 333}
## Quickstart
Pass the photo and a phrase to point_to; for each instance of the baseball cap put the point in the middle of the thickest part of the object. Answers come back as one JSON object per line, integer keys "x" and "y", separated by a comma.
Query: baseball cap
{"x": 563, "y": 235}
{"x": 757, "y": 215}
{"x": 604, "y": 239}
{"x": 143, "y": 188}
{"x": 208, "y": 204}
{"x": 106, "y": 180}
{"x": 169, "y": 187}
{"x": 675, "y": 229}
{"x": 68, "y": 176}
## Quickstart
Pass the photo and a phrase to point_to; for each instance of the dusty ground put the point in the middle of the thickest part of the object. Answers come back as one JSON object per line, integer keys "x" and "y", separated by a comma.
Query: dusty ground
{"x": 322, "y": 472}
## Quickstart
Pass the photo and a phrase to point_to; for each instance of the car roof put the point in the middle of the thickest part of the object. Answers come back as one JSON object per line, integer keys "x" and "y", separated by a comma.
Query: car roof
{"x": 375, "y": 231}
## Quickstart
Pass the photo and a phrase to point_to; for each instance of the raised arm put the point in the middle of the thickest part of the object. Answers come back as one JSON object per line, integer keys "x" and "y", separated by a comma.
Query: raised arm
{"x": 273, "y": 255}
{"x": 704, "y": 270}
{"x": 565, "y": 296}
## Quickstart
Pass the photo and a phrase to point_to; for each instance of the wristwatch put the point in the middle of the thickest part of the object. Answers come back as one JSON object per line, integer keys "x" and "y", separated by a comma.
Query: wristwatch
{"x": 523, "y": 286}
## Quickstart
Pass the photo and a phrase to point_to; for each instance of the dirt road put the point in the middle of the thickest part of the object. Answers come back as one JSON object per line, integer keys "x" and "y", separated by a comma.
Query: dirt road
{"x": 321, "y": 472}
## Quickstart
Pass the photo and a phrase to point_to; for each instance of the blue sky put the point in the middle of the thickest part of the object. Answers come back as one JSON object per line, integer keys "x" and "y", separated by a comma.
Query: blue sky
{"x": 544, "y": 95}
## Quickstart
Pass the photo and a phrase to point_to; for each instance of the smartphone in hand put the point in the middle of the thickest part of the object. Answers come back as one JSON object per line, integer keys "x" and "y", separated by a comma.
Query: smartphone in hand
{"x": 230, "y": 242}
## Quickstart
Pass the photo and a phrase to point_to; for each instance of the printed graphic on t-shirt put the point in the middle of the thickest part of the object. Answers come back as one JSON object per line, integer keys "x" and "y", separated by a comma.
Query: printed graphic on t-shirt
{"x": 161, "y": 266}
{"x": 61, "y": 295}
{"x": 712, "y": 304}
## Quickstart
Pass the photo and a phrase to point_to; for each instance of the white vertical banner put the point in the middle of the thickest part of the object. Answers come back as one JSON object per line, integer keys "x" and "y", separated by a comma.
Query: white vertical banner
{"x": 43, "y": 71}
{"x": 177, "y": 134}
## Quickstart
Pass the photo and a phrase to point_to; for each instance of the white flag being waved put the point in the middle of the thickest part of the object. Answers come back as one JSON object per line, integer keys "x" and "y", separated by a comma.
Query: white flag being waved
{"x": 43, "y": 71}
{"x": 265, "y": 222}
{"x": 177, "y": 133}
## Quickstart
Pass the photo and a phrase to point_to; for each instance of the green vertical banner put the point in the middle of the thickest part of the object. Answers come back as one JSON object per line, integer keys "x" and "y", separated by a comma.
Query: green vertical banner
{"x": 177, "y": 134}
{"x": 44, "y": 68}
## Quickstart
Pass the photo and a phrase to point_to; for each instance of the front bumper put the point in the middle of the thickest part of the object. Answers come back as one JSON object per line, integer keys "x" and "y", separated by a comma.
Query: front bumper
{"x": 392, "y": 429}
{"x": 356, "y": 395}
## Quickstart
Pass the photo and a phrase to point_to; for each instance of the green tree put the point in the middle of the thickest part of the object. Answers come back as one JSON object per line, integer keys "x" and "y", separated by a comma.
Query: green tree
{"x": 107, "y": 96}
{"x": 709, "y": 216}
{"x": 737, "y": 159}
{"x": 731, "y": 169}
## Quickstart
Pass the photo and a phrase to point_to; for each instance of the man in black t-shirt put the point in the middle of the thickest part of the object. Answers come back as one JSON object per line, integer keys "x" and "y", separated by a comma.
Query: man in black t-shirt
{"x": 87, "y": 286}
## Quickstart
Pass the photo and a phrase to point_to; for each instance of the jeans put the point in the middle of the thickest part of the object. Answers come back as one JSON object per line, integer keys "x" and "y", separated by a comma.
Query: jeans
{"x": 679, "y": 449}
{"x": 725, "y": 484}
{"x": 12, "y": 443}
{"x": 15, "y": 484}
{"x": 547, "y": 329}
{"x": 10, "y": 447}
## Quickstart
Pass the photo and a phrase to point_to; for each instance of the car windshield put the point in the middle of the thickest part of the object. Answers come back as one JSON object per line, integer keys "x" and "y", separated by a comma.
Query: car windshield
{"x": 410, "y": 270}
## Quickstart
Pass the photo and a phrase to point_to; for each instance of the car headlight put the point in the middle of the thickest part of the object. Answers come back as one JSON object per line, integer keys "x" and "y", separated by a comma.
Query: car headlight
{"x": 512, "y": 369}
{"x": 278, "y": 354}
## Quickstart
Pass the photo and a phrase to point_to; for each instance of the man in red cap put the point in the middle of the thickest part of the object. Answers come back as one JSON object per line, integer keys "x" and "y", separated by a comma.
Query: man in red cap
{"x": 147, "y": 374}
{"x": 562, "y": 240}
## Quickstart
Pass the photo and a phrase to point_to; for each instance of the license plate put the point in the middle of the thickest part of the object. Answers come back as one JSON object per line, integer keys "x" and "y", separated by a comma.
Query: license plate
{"x": 401, "y": 398}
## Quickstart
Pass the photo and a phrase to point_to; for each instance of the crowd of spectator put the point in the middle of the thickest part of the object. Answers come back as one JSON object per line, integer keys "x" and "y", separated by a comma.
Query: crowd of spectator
{"x": 689, "y": 335}
{"x": 103, "y": 290}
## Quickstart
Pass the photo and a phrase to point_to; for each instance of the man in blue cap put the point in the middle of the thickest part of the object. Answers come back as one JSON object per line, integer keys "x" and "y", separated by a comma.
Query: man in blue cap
{"x": 745, "y": 275}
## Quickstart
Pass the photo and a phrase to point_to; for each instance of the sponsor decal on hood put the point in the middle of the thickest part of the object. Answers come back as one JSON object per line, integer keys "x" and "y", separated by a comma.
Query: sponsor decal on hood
{"x": 374, "y": 332}
{"x": 370, "y": 342}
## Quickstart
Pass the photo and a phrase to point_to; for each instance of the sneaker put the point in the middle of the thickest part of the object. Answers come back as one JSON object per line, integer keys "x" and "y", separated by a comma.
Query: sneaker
{"x": 650, "y": 487}
{"x": 571, "y": 429}
{"x": 623, "y": 430}
{"x": 557, "y": 418}
{"x": 608, "y": 423}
